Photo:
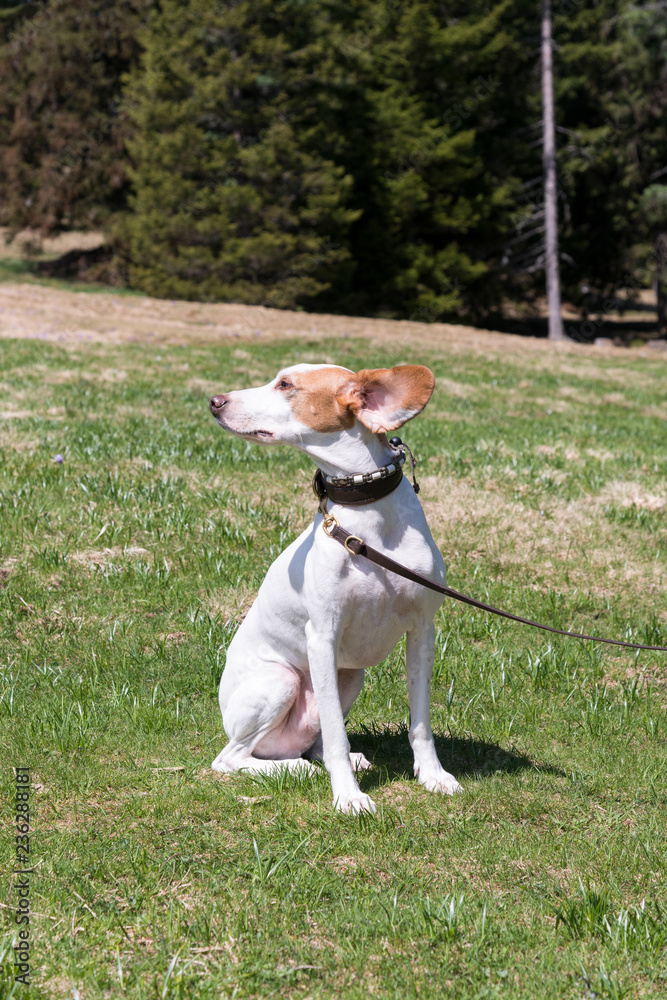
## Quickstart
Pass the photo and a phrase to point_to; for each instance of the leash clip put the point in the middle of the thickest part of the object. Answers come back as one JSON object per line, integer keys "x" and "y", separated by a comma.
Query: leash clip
{"x": 328, "y": 520}
{"x": 399, "y": 445}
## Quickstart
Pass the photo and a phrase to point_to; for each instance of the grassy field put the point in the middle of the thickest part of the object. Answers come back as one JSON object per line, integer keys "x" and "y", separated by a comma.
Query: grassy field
{"x": 124, "y": 571}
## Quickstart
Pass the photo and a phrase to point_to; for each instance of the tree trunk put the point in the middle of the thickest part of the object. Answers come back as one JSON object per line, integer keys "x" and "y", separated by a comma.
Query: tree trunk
{"x": 549, "y": 161}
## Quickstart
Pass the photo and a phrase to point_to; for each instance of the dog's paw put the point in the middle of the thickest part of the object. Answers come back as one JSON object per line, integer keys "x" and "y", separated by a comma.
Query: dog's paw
{"x": 355, "y": 804}
{"x": 220, "y": 764}
{"x": 359, "y": 762}
{"x": 441, "y": 782}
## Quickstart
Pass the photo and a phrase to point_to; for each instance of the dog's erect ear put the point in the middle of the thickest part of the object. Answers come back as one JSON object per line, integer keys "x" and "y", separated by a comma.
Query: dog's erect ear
{"x": 385, "y": 398}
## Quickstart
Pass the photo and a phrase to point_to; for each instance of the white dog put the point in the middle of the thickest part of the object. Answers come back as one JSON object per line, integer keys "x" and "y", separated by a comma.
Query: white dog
{"x": 322, "y": 615}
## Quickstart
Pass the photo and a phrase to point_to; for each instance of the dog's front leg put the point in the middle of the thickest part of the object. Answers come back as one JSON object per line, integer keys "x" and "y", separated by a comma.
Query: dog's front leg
{"x": 419, "y": 654}
{"x": 347, "y": 796}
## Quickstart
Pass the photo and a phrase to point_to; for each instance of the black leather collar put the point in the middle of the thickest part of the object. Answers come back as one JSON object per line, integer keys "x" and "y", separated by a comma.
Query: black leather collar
{"x": 358, "y": 493}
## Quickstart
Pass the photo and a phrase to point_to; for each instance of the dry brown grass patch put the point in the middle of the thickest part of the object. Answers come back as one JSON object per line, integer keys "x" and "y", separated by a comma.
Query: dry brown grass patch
{"x": 629, "y": 494}
{"x": 230, "y": 606}
{"x": 173, "y": 638}
{"x": 61, "y": 377}
{"x": 573, "y": 544}
{"x": 7, "y": 567}
{"x": 71, "y": 317}
{"x": 600, "y": 454}
{"x": 654, "y": 411}
{"x": 102, "y": 558}
{"x": 60, "y": 988}
{"x": 16, "y": 414}
{"x": 50, "y": 245}
{"x": 461, "y": 390}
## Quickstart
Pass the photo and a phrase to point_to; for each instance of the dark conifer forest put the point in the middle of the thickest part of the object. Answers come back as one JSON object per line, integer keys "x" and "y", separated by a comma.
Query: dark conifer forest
{"x": 377, "y": 157}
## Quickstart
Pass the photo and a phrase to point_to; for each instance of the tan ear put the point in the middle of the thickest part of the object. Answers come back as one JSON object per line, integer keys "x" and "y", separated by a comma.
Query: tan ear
{"x": 385, "y": 398}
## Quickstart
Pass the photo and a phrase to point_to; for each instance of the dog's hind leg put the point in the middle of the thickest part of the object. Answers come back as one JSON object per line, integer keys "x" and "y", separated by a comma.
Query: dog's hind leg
{"x": 231, "y": 762}
{"x": 270, "y": 721}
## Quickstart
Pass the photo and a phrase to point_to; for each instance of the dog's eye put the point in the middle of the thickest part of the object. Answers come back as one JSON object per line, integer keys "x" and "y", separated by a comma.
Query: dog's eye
{"x": 284, "y": 384}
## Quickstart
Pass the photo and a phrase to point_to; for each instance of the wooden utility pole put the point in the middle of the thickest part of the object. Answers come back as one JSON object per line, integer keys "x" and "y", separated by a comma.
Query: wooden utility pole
{"x": 551, "y": 271}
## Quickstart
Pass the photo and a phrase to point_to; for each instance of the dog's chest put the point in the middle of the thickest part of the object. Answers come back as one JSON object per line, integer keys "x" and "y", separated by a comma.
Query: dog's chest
{"x": 376, "y": 609}
{"x": 365, "y": 609}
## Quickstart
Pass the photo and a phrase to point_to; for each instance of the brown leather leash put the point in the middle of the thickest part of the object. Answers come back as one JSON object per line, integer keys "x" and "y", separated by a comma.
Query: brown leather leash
{"x": 357, "y": 547}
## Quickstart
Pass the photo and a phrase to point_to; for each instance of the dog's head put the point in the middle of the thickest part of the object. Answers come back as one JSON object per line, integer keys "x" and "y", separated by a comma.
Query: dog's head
{"x": 307, "y": 402}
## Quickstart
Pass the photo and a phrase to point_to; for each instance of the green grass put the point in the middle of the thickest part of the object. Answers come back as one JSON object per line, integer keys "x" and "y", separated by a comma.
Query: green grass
{"x": 123, "y": 571}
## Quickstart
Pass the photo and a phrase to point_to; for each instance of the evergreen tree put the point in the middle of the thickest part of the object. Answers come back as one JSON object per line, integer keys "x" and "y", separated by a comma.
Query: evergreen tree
{"x": 377, "y": 157}
{"x": 320, "y": 153}
{"x": 61, "y": 133}
{"x": 11, "y": 14}
{"x": 231, "y": 199}
{"x": 644, "y": 29}
{"x": 612, "y": 102}
{"x": 435, "y": 200}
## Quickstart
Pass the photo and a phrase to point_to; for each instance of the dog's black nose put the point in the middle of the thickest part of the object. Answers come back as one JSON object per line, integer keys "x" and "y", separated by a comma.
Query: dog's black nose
{"x": 217, "y": 403}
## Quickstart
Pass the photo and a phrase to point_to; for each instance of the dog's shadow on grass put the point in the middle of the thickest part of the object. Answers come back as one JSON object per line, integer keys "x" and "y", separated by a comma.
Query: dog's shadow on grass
{"x": 388, "y": 748}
